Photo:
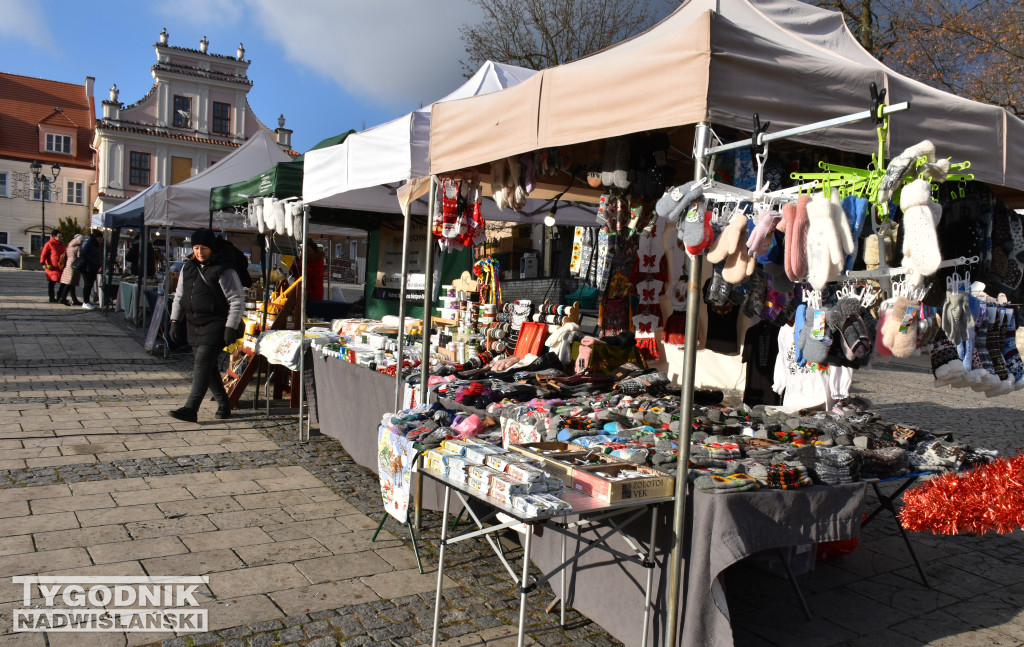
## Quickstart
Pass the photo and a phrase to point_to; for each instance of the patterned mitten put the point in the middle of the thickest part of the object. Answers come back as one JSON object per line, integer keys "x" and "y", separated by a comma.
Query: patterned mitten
{"x": 899, "y": 332}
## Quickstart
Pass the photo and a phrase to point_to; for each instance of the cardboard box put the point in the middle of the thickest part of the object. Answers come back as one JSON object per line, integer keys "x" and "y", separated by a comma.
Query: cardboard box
{"x": 653, "y": 485}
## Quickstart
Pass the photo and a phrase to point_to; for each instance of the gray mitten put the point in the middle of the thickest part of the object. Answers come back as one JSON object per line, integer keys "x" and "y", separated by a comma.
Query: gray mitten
{"x": 677, "y": 200}
{"x": 815, "y": 349}
{"x": 956, "y": 317}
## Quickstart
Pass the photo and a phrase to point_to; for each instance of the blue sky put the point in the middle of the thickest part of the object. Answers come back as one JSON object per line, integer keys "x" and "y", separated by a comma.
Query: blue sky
{"x": 327, "y": 65}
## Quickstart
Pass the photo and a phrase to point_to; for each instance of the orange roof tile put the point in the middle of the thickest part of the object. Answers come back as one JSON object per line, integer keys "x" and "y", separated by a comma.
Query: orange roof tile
{"x": 26, "y": 102}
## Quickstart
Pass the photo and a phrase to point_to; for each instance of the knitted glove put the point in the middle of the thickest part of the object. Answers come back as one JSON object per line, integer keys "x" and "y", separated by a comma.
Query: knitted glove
{"x": 824, "y": 249}
{"x": 231, "y": 335}
{"x": 902, "y": 344}
{"x": 174, "y": 332}
{"x": 899, "y": 166}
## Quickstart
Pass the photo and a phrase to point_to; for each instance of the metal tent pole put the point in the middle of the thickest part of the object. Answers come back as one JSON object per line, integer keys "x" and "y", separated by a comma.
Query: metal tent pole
{"x": 140, "y": 280}
{"x": 304, "y": 292}
{"x": 106, "y": 272}
{"x": 428, "y": 307}
{"x": 401, "y": 310}
{"x": 428, "y": 297}
{"x": 672, "y": 615}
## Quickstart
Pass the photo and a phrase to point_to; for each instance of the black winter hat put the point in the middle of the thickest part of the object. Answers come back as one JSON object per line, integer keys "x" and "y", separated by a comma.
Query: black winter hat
{"x": 204, "y": 237}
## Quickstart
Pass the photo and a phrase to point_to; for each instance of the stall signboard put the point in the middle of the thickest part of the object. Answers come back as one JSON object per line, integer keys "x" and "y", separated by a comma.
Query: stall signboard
{"x": 389, "y": 266}
{"x": 396, "y": 458}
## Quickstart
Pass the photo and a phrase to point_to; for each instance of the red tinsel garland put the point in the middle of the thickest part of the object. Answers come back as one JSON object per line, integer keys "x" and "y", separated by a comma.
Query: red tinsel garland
{"x": 974, "y": 502}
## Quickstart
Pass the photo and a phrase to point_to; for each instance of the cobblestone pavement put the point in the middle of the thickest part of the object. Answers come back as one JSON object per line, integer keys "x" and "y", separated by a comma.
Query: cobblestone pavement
{"x": 95, "y": 479}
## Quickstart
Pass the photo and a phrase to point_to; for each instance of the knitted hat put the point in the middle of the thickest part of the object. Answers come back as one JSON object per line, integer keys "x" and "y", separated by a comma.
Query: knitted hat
{"x": 203, "y": 237}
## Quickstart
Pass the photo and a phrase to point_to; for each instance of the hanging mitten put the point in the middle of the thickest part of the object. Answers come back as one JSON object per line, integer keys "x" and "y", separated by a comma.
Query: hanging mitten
{"x": 920, "y": 216}
{"x": 898, "y": 167}
{"x": 697, "y": 217}
{"x": 528, "y": 173}
{"x": 257, "y": 207}
{"x": 795, "y": 217}
{"x": 845, "y": 320}
{"x": 856, "y": 209}
{"x": 757, "y": 288}
{"x": 880, "y": 348}
{"x": 798, "y": 339}
{"x": 899, "y": 332}
{"x": 762, "y": 236}
{"x": 815, "y": 336}
{"x": 728, "y": 241}
{"x": 824, "y": 249}
{"x": 842, "y": 225}
{"x": 678, "y": 200}
{"x": 956, "y": 317}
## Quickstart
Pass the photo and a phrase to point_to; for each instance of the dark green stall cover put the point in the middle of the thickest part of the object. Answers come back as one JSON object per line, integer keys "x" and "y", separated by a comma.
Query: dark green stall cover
{"x": 282, "y": 180}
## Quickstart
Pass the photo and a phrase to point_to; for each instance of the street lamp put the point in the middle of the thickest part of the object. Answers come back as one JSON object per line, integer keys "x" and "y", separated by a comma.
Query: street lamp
{"x": 44, "y": 182}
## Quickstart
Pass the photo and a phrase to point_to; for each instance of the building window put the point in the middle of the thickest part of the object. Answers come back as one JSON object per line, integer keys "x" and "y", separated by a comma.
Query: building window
{"x": 39, "y": 186}
{"x": 221, "y": 118}
{"x": 35, "y": 243}
{"x": 182, "y": 112}
{"x": 138, "y": 170}
{"x": 76, "y": 192}
{"x": 58, "y": 144}
{"x": 3, "y": 237}
{"x": 3, "y": 185}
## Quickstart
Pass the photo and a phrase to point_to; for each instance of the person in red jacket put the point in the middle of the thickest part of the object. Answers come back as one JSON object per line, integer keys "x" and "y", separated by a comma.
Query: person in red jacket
{"x": 315, "y": 266}
{"x": 50, "y": 260}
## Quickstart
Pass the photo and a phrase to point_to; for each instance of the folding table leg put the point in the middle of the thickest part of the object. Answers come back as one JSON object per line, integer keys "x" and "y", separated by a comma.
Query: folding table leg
{"x": 523, "y": 586}
{"x": 440, "y": 567}
{"x": 415, "y": 547}
{"x": 886, "y": 503}
{"x": 796, "y": 585}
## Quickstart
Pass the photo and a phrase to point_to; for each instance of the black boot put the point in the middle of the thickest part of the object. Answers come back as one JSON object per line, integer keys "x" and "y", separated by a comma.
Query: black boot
{"x": 223, "y": 412}
{"x": 184, "y": 413}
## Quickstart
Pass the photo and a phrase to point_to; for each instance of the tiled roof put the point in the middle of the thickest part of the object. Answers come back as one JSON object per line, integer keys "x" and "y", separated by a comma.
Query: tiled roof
{"x": 26, "y": 102}
{"x": 145, "y": 129}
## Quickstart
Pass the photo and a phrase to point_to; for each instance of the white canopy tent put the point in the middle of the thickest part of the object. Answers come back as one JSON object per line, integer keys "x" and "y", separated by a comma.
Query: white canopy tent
{"x": 720, "y": 61}
{"x": 364, "y": 172}
{"x": 187, "y": 203}
{"x": 126, "y": 214}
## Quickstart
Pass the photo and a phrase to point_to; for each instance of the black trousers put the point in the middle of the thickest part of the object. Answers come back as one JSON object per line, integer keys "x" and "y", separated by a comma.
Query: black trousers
{"x": 206, "y": 376}
{"x": 50, "y": 287}
{"x": 89, "y": 279}
{"x": 66, "y": 289}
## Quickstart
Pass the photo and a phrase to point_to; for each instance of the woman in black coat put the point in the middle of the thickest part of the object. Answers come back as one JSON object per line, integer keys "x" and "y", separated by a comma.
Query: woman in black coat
{"x": 211, "y": 299}
{"x": 92, "y": 262}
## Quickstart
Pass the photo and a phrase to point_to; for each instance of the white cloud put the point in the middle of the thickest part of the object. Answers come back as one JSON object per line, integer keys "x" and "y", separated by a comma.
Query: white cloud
{"x": 26, "y": 21}
{"x": 395, "y": 53}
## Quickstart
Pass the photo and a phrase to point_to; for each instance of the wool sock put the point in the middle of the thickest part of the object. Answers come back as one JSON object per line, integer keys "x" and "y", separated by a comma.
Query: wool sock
{"x": 946, "y": 365}
{"x": 1011, "y": 356}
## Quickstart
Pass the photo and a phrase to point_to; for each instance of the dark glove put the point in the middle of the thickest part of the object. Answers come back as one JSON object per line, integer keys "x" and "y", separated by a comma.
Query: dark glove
{"x": 174, "y": 333}
{"x": 231, "y": 335}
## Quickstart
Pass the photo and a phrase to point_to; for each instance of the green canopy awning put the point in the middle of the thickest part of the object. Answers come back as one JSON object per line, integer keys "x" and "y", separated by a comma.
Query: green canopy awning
{"x": 282, "y": 180}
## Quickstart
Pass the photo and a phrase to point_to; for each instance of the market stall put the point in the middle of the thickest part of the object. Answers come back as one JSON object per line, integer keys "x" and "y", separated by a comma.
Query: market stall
{"x": 797, "y": 49}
